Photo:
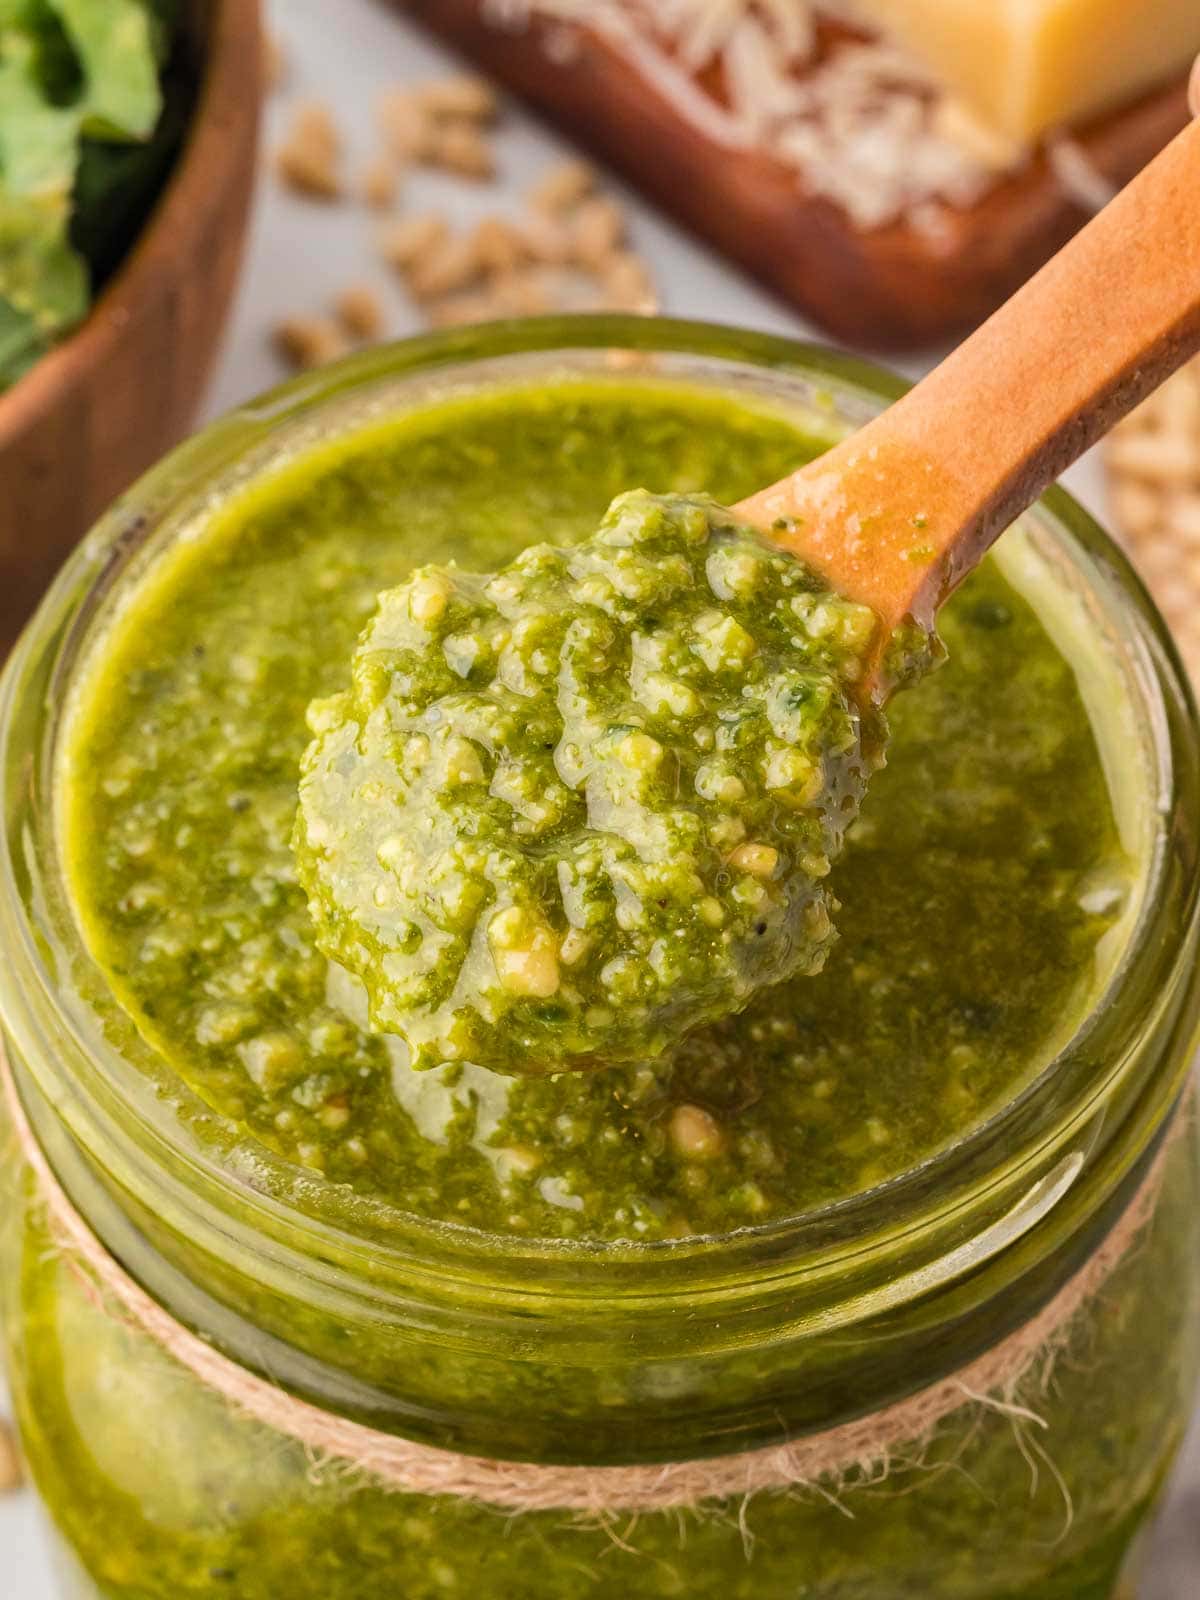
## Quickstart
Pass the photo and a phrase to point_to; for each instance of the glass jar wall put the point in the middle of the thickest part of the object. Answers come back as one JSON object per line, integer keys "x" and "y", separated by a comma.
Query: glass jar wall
{"x": 603, "y": 1352}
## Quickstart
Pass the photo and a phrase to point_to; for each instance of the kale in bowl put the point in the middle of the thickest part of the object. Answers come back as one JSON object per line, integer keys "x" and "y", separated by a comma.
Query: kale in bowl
{"x": 94, "y": 100}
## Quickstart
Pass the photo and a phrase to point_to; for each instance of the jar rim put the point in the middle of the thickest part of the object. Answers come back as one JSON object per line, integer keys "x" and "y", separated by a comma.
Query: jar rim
{"x": 998, "y": 1179}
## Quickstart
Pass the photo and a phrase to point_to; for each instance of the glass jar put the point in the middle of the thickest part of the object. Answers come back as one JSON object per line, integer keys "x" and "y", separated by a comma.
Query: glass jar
{"x": 604, "y": 1355}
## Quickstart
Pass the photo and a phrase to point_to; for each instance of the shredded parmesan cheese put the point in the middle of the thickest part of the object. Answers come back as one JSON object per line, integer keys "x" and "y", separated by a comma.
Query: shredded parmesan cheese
{"x": 1077, "y": 177}
{"x": 702, "y": 30}
{"x": 862, "y": 124}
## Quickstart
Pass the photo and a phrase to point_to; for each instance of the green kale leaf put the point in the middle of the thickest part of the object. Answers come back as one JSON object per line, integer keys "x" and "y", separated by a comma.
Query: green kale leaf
{"x": 21, "y": 343}
{"x": 76, "y": 77}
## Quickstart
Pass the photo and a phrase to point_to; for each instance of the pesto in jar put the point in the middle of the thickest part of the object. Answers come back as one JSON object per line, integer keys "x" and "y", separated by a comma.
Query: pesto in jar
{"x": 974, "y": 888}
{"x": 974, "y": 892}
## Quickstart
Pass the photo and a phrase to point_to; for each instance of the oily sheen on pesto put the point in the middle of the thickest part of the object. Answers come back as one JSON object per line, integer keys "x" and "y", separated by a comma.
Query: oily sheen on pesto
{"x": 969, "y": 910}
{"x": 568, "y": 812}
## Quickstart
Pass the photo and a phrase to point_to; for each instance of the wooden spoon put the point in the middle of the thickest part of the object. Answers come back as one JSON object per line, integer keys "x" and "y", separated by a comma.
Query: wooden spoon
{"x": 897, "y": 515}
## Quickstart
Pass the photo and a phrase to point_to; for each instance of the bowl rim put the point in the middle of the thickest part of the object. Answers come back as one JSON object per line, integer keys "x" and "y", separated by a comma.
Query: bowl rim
{"x": 231, "y": 79}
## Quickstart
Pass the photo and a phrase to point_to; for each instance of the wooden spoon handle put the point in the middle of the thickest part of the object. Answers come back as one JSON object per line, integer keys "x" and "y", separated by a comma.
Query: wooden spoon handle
{"x": 897, "y": 514}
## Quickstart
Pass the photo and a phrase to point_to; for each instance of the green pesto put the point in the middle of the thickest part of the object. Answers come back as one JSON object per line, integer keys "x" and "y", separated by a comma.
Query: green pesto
{"x": 570, "y": 811}
{"x": 981, "y": 874}
{"x": 974, "y": 887}
{"x": 203, "y": 1505}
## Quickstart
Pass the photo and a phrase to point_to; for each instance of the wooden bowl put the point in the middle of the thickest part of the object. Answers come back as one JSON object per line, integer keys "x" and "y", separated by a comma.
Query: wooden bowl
{"x": 95, "y": 412}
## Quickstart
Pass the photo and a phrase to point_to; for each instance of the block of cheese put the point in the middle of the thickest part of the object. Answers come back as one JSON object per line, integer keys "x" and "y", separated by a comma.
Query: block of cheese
{"x": 1024, "y": 66}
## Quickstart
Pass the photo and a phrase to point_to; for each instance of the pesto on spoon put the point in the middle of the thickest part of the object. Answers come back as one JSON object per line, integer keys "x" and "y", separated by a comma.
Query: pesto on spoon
{"x": 570, "y": 812}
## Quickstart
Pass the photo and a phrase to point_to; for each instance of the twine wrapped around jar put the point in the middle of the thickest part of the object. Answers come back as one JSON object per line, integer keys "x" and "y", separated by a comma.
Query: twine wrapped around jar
{"x": 865, "y": 1445}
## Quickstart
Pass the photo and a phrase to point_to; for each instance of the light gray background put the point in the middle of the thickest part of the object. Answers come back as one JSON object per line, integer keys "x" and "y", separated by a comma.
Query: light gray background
{"x": 300, "y": 255}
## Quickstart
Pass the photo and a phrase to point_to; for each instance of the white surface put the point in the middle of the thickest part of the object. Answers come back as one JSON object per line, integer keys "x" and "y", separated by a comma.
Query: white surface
{"x": 301, "y": 255}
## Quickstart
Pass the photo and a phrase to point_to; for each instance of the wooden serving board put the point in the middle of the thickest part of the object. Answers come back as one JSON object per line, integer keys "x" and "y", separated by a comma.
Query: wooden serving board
{"x": 887, "y": 288}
